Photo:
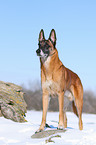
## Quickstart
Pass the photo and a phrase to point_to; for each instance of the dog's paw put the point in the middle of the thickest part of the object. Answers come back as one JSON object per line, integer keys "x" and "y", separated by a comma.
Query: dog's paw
{"x": 42, "y": 128}
{"x": 38, "y": 131}
{"x": 60, "y": 127}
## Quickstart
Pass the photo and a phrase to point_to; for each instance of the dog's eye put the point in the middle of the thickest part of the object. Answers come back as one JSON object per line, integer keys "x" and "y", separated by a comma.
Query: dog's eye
{"x": 43, "y": 45}
{"x": 47, "y": 46}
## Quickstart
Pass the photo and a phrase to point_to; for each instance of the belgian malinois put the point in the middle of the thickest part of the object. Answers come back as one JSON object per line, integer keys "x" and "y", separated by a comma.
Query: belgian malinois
{"x": 56, "y": 79}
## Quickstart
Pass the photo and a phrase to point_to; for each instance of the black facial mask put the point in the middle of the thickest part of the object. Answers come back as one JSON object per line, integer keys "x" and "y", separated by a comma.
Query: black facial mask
{"x": 44, "y": 46}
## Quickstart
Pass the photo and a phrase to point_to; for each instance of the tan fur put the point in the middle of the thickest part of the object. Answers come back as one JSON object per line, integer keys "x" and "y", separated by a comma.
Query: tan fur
{"x": 56, "y": 79}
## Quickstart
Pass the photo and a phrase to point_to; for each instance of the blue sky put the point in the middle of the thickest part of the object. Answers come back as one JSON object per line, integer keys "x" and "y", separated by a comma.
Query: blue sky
{"x": 20, "y": 23}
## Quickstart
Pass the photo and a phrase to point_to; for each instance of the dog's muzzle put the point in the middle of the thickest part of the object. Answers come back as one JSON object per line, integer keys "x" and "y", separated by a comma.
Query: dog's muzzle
{"x": 38, "y": 52}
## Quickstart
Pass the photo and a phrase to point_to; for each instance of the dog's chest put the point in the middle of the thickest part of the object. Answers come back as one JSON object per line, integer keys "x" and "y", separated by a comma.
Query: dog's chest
{"x": 47, "y": 62}
{"x": 51, "y": 86}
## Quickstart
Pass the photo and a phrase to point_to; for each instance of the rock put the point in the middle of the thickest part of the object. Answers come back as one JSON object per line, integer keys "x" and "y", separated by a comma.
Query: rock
{"x": 47, "y": 133}
{"x": 12, "y": 103}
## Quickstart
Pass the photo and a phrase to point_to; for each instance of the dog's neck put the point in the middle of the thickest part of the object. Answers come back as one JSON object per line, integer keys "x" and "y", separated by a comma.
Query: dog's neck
{"x": 48, "y": 60}
{"x": 44, "y": 60}
{"x": 47, "y": 65}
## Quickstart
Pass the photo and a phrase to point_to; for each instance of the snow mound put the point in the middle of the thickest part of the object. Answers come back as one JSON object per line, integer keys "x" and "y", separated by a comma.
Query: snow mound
{"x": 14, "y": 133}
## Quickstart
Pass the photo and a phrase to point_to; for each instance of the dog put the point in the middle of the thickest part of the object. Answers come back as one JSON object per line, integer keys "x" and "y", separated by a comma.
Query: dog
{"x": 56, "y": 80}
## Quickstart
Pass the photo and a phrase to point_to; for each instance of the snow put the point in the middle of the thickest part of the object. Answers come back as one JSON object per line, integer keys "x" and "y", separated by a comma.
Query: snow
{"x": 13, "y": 133}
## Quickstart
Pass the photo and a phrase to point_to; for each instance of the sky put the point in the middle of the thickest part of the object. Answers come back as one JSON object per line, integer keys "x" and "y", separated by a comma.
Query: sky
{"x": 75, "y": 25}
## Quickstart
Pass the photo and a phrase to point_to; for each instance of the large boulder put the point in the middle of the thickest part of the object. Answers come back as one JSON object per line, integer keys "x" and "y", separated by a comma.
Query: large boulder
{"x": 12, "y": 103}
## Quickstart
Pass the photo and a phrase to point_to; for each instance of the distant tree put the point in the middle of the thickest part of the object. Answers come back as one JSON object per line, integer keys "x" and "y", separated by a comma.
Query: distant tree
{"x": 34, "y": 100}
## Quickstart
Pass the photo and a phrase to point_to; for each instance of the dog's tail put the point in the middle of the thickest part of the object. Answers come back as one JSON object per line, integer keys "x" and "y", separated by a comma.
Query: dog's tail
{"x": 74, "y": 108}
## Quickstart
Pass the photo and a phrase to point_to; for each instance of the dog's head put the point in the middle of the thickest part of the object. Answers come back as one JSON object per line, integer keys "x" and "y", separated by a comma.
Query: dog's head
{"x": 46, "y": 47}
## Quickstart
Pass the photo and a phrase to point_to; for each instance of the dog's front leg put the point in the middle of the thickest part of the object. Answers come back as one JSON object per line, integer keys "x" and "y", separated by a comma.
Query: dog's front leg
{"x": 45, "y": 102}
{"x": 61, "y": 112}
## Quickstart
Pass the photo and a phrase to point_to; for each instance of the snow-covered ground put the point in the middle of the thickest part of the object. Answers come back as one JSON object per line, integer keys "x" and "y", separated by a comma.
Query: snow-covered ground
{"x": 12, "y": 133}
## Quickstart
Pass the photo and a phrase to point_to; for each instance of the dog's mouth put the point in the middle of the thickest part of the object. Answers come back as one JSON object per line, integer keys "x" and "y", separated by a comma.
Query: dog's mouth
{"x": 40, "y": 53}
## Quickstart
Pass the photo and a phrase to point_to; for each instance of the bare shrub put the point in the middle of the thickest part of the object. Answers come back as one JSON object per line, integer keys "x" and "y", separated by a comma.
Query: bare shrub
{"x": 89, "y": 102}
{"x": 34, "y": 101}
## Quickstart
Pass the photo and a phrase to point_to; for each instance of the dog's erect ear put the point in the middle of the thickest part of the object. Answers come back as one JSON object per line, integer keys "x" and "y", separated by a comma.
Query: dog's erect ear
{"x": 52, "y": 37}
{"x": 41, "y": 35}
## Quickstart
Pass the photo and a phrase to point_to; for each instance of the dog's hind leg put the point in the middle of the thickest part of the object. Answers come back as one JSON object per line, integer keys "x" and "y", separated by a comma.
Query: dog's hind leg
{"x": 74, "y": 108}
{"x": 77, "y": 91}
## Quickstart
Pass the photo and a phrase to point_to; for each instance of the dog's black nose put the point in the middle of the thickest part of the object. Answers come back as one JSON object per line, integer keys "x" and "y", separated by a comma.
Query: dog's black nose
{"x": 38, "y": 51}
